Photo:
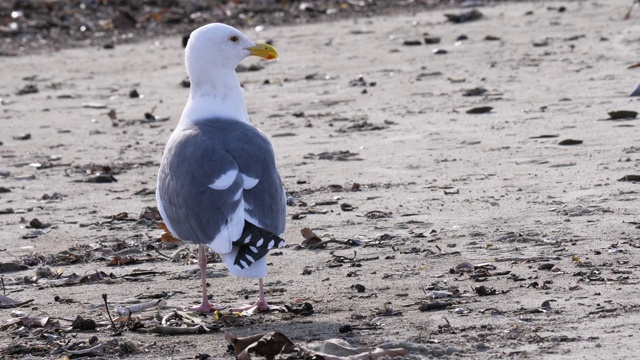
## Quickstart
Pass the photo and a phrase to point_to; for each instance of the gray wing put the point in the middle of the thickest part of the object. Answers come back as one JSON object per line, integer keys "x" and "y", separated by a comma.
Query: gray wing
{"x": 264, "y": 200}
{"x": 215, "y": 176}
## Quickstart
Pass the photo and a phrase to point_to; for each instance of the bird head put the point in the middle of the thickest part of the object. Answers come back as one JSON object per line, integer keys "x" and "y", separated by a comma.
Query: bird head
{"x": 219, "y": 46}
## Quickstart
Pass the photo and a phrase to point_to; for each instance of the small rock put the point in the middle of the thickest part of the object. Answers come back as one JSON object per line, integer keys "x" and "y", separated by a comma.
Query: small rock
{"x": 435, "y": 305}
{"x": 432, "y": 40}
{"x": 541, "y": 43}
{"x": 465, "y": 267}
{"x": 345, "y": 329}
{"x": 480, "y": 110}
{"x": 546, "y": 266}
{"x": 28, "y": 89}
{"x": 465, "y": 16}
{"x": 622, "y": 114}
{"x": 346, "y": 207}
{"x": 25, "y": 136}
{"x": 477, "y": 91}
{"x": 84, "y": 324}
{"x": 412, "y": 43}
{"x": 44, "y": 272}
{"x": 101, "y": 178}
{"x": 569, "y": 142}
{"x": 633, "y": 178}
{"x": 36, "y": 224}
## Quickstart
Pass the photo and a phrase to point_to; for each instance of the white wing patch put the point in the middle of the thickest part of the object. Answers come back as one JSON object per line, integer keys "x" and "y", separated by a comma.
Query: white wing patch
{"x": 238, "y": 196}
{"x": 249, "y": 182}
{"x": 223, "y": 242}
{"x": 224, "y": 181}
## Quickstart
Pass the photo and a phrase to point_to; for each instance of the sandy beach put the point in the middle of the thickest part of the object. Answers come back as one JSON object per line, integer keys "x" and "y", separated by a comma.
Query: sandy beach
{"x": 483, "y": 202}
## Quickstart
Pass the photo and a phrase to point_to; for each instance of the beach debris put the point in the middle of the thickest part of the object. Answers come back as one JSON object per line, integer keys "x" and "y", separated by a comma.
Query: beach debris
{"x": 544, "y": 136}
{"x": 167, "y": 236}
{"x": 362, "y": 126}
{"x": 264, "y": 345}
{"x": 412, "y": 43}
{"x": 631, "y": 178}
{"x": 28, "y": 89}
{"x": 464, "y": 267}
{"x": 25, "y": 136}
{"x": 480, "y": 110}
{"x": 346, "y": 207}
{"x": 340, "y": 155}
{"x": 183, "y": 330}
{"x": 37, "y": 224}
{"x": 99, "y": 179}
{"x": 360, "y": 81}
{"x": 8, "y": 302}
{"x": 464, "y": 16}
{"x": 429, "y": 40}
{"x": 622, "y": 115}
{"x": 570, "y": 142}
{"x": 485, "y": 291}
{"x": 477, "y": 91}
{"x": 135, "y": 308}
{"x": 83, "y": 324}
{"x": 435, "y": 305}
{"x": 546, "y": 266}
{"x": 310, "y": 238}
{"x": 274, "y": 343}
{"x": 94, "y": 105}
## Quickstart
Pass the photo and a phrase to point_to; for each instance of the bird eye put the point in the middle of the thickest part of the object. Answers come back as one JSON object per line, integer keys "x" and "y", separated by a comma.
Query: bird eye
{"x": 234, "y": 38}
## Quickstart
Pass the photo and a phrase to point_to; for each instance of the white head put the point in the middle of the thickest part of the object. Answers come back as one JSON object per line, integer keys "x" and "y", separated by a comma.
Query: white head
{"x": 212, "y": 54}
{"x": 219, "y": 47}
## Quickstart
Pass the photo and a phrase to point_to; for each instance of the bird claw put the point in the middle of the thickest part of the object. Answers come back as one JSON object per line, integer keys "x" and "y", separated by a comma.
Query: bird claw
{"x": 259, "y": 306}
{"x": 206, "y": 307}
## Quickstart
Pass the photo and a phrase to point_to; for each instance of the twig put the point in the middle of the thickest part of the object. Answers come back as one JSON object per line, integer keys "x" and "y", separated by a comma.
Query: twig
{"x": 106, "y": 305}
{"x": 330, "y": 241}
{"x": 599, "y": 311}
{"x": 532, "y": 258}
{"x": 172, "y": 330}
{"x": 163, "y": 255}
{"x": 445, "y": 319}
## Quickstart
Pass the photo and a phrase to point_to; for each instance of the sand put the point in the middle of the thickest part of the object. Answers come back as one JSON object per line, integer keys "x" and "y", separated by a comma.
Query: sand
{"x": 374, "y": 143}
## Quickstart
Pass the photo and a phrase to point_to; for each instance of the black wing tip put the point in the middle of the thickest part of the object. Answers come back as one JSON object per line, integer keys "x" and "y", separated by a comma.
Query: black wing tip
{"x": 251, "y": 247}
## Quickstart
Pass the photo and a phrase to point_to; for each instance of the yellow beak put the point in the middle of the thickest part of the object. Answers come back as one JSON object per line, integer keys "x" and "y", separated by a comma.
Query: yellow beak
{"x": 264, "y": 51}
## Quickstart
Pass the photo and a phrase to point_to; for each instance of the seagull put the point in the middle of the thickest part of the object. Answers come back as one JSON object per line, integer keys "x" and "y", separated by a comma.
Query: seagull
{"x": 218, "y": 184}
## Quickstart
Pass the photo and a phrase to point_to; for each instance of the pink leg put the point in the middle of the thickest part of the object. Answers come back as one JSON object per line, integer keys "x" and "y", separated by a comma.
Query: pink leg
{"x": 260, "y": 305}
{"x": 262, "y": 302}
{"x": 206, "y": 306}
